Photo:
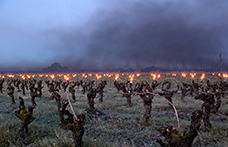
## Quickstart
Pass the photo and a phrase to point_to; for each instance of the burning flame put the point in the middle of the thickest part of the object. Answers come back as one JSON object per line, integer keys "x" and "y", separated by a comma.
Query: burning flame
{"x": 41, "y": 75}
{"x": 225, "y": 75}
{"x": 23, "y": 77}
{"x": 66, "y": 77}
{"x": 59, "y": 75}
{"x": 85, "y": 76}
{"x": 52, "y": 76}
{"x": 117, "y": 76}
{"x": 98, "y": 76}
{"x": 183, "y": 74}
{"x": 174, "y": 74}
{"x": 192, "y": 75}
{"x": 202, "y": 76}
{"x": 28, "y": 76}
{"x": 131, "y": 77}
{"x": 154, "y": 76}
{"x": 10, "y": 75}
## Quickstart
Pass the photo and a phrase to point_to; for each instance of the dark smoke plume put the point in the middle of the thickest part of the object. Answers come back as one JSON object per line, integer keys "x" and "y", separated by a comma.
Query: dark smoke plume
{"x": 171, "y": 35}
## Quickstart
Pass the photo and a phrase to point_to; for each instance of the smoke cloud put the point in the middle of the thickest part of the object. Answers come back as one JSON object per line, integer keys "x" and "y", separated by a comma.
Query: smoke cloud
{"x": 169, "y": 35}
{"x": 180, "y": 34}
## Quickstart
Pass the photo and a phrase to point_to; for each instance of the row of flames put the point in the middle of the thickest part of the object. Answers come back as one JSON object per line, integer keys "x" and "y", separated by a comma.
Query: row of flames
{"x": 155, "y": 76}
{"x": 117, "y": 75}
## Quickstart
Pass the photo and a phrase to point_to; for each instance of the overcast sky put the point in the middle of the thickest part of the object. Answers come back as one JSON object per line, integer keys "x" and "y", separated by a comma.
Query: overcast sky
{"x": 113, "y": 33}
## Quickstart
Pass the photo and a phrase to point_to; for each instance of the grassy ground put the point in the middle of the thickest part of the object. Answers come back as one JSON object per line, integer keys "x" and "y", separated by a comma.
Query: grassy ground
{"x": 125, "y": 127}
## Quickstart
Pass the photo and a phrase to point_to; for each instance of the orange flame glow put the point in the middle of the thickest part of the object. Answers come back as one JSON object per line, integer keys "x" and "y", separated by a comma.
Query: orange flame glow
{"x": 59, "y": 75}
{"x": 202, "y": 76}
{"x": 174, "y": 74}
{"x": 23, "y": 77}
{"x": 225, "y": 75}
{"x": 52, "y": 76}
{"x": 10, "y": 76}
{"x": 183, "y": 74}
{"x": 41, "y": 75}
{"x": 98, "y": 76}
{"x": 117, "y": 76}
{"x": 192, "y": 75}
{"x": 66, "y": 77}
{"x": 131, "y": 77}
{"x": 154, "y": 76}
